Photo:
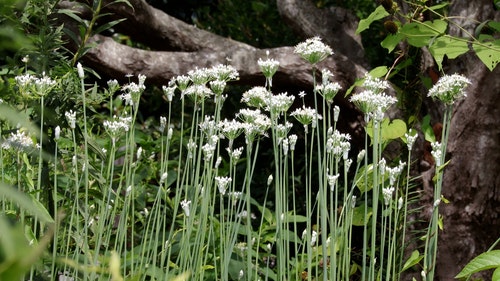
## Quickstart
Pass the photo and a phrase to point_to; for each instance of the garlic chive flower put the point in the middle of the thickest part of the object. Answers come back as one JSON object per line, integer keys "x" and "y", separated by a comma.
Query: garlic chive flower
{"x": 79, "y": 68}
{"x": 306, "y": 116}
{"x": 185, "y": 207}
{"x": 387, "y": 193}
{"x": 256, "y": 97}
{"x": 268, "y": 68}
{"x": 218, "y": 86}
{"x": 198, "y": 93}
{"x": 44, "y": 85}
{"x": 163, "y": 123}
{"x": 332, "y": 180}
{"x": 338, "y": 144}
{"x": 117, "y": 126}
{"x": 57, "y": 133}
{"x": 182, "y": 82}
{"x": 24, "y": 83}
{"x": 373, "y": 105}
{"x": 199, "y": 76}
{"x": 222, "y": 184}
{"x": 279, "y": 104}
{"x": 395, "y": 172}
{"x": 375, "y": 84}
{"x": 449, "y": 88}
{"x": 313, "y": 50}
{"x": 411, "y": 137}
{"x": 328, "y": 91}
{"x": 223, "y": 72}
{"x": 292, "y": 140}
{"x": 168, "y": 92}
{"x": 20, "y": 141}
{"x": 230, "y": 129}
{"x": 71, "y": 118}
{"x": 437, "y": 153}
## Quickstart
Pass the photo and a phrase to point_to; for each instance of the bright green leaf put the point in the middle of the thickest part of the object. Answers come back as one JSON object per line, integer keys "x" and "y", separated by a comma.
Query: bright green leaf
{"x": 488, "y": 50}
{"x": 378, "y": 72}
{"x": 496, "y": 274}
{"x": 420, "y": 34}
{"x": 392, "y": 40}
{"x": 452, "y": 47}
{"x": 414, "y": 259}
{"x": 378, "y": 14}
{"x": 482, "y": 262}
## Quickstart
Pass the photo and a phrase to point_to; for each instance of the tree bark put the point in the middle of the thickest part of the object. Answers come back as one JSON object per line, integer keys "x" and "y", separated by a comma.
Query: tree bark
{"x": 472, "y": 179}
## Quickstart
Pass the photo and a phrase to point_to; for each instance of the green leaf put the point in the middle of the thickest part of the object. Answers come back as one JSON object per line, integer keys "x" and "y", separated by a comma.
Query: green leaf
{"x": 488, "y": 50}
{"x": 427, "y": 129}
{"x": 450, "y": 46}
{"x": 25, "y": 202}
{"x": 420, "y": 34}
{"x": 379, "y": 13}
{"x": 378, "y": 72}
{"x": 392, "y": 40}
{"x": 496, "y": 274}
{"x": 438, "y": 6}
{"x": 358, "y": 215}
{"x": 108, "y": 25}
{"x": 482, "y": 262}
{"x": 414, "y": 259}
{"x": 389, "y": 130}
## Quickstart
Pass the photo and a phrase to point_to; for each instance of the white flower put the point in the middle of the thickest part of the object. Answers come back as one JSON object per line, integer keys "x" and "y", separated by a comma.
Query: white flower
{"x": 371, "y": 103}
{"x": 163, "y": 177}
{"x": 292, "y": 140}
{"x": 182, "y": 82}
{"x": 185, "y": 207}
{"x": 332, "y": 180}
{"x": 139, "y": 153}
{"x": 395, "y": 172}
{"x": 437, "y": 152}
{"x": 168, "y": 92}
{"x": 400, "y": 203}
{"x": 222, "y": 184}
{"x": 223, "y": 72}
{"x": 313, "y": 50}
{"x": 208, "y": 151}
{"x": 218, "y": 86}
{"x": 235, "y": 154}
{"x": 328, "y": 91}
{"x": 410, "y": 138}
{"x": 198, "y": 93}
{"x": 338, "y": 144}
{"x": 199, "y": 76}
{"x": 57, "y": 132}
{"x": 269, "y": 180}
{"x": 117, "y": 126}
{"x": 20, "y": 141}
{"x": 361, "y": 155}
{"x": 268, "y": 67}
{"x": 387, "y": 193}
{"x": 163, "y": 123}
{"x": 230, "y": 129}
{"x": 241, "y": 274}
{"x": 449, "y": 88}
{"x": 306, "y": 115}
{"x": 336, "y": 113}
{"x": 191, "y": 146}
{"x": 256, "y": 97}
{"x": 278, "y": 104}
{"x": 79, "y": 67}
{"x": 375, "y": 85}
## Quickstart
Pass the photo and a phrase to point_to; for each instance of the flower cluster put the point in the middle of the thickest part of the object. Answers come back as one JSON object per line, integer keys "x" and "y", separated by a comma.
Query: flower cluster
{"x": 222, "y": 184}
{"x": 268, "y": 68}
{"x": 279, "y": 104}
{"x": 256, "y": 97}
{"x": 19, "y": 141}
{"x": 306, "y": 116}
{"x": 449, "y": 88}
{"x": 117, "y": 126}
{"x": 313, "y": 50}
{"x": 373, "y": 102}
{"x": 328, "y": 91}
{"x": 29, "y": 84}
{"x": 338, "y": 143}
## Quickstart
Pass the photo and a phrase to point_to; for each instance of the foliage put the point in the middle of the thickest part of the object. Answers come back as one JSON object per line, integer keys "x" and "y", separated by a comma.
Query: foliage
{"x": 433, "y": 33}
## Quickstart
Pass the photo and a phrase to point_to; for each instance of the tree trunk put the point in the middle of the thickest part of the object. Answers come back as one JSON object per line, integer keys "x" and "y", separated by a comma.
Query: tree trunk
{"x": 472, "y": 179}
